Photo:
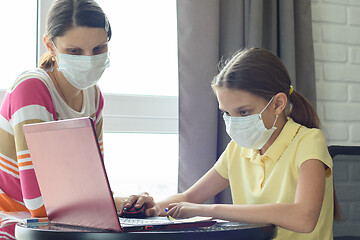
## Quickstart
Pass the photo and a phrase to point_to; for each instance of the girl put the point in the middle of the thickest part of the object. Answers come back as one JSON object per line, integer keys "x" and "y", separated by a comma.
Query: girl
{"x": 277, "y": 164}
{"x": 63, "y": 87}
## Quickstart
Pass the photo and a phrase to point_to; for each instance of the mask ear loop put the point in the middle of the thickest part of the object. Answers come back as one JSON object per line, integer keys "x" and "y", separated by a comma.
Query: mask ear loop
{"x": 276, "y": 118}
{"x": 55, "y": 46}
{"x": 55, "y": 50}
{"x": 266, "y": 107}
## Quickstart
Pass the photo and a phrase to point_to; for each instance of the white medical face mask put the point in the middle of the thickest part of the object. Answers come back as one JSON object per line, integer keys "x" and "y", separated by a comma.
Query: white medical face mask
{"x": 82, "y": 71}
{"x": 249, "y": 131}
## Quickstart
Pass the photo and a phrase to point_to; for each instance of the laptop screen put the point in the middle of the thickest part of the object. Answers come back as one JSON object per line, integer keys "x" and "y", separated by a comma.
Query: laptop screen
{"x": 71, "y": 174}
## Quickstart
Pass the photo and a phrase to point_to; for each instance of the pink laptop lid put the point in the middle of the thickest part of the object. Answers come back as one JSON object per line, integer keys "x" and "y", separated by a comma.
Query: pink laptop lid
{"x": 71, "y": 174}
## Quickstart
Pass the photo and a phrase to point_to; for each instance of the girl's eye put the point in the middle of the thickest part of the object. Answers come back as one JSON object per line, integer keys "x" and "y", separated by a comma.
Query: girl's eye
{"x": 244, "y": 113}
{"x": 226, "y": 113}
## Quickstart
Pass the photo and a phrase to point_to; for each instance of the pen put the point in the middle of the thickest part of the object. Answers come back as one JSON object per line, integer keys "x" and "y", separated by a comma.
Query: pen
{"x": 169, "y": 217}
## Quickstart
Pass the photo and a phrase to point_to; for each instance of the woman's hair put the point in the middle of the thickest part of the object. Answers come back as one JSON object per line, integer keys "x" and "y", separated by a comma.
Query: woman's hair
{"x": 260, "y": 72}
{"x": 66, "y": 14}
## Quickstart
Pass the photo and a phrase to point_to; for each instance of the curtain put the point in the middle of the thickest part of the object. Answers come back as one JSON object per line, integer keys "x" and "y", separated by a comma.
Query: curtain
{"x": 211, "y": 30}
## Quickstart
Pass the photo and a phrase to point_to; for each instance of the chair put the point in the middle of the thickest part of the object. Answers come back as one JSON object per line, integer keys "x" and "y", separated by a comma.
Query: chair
{"x": 343, "y": 150}
{"x": 347, "y": 182}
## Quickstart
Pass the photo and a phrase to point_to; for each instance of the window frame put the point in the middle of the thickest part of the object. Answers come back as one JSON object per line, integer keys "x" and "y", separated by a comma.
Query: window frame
{"x": 2, "y": 94}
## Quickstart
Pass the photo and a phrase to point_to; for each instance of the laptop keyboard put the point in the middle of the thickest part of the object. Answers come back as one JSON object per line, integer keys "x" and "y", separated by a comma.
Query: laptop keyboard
{"x": 148, "y": 221}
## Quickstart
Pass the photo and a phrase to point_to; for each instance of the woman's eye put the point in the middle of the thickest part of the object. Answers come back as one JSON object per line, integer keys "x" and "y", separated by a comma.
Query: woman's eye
{"x": 99, "y": 49}
{"x": 73, "y": 51}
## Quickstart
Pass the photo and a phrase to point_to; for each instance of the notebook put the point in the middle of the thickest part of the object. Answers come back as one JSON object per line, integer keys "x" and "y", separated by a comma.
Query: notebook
{"x": 72, "y": 178}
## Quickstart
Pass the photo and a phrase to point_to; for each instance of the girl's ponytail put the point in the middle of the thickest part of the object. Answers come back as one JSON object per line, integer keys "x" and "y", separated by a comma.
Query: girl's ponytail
{"x": 302, "y": 112}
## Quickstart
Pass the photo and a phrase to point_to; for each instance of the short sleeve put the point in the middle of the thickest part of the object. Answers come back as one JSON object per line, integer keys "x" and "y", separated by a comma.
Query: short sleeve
{"x": 313, "y": 146}
{"x": 221, "y": 166}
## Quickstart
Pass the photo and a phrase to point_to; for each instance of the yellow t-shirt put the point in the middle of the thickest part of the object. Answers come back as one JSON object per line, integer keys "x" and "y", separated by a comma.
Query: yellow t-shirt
{"x": 273, "y": 176}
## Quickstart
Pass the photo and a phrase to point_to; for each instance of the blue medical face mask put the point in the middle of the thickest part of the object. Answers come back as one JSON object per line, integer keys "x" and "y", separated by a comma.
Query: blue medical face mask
{"x": 82, "y": 71}
{"x": 249, "y": 131}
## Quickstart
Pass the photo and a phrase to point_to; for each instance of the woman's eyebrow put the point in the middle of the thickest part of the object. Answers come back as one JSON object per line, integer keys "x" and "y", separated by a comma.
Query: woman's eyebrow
{"x": 103, "y": 43}
{"x": 72, "y": 46}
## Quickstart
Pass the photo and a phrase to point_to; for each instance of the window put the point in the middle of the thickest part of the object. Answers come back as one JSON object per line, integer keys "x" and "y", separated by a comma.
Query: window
{"x": 141, "y": 92}
{"x": 140, "y": 87}
{"x": 141, "y": 95}
{"x": 18, "y": 40}
{"x": 143, "y": 48}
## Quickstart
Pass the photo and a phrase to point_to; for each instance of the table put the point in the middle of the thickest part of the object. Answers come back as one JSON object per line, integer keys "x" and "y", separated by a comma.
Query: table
{"x": 220, "y": 231}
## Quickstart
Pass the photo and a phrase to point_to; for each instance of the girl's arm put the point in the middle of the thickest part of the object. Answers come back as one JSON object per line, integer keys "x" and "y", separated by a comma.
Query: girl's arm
{"x": 205, "y": 188}
{"x": 300, "y": 216}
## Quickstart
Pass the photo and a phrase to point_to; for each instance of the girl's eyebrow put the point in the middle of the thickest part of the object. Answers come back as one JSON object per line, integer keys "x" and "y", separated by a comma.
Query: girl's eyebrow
{"x": 243, "y": 107}
{"x": 237, "y": 109}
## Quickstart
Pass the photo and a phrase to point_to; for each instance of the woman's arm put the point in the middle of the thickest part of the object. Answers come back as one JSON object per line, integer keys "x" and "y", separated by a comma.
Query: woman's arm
{"x": 29, "y": 102}
{"x": 300, "y": 216}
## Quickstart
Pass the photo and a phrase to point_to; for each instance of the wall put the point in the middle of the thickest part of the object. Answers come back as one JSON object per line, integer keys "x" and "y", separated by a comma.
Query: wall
{"x": 336, "y": 32}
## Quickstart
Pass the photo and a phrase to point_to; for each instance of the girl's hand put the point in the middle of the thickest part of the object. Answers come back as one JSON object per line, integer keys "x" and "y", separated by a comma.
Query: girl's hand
{"x": 152, "y": 209}
{"x": 119, "y": 203}
{"x": 186, "y": 210}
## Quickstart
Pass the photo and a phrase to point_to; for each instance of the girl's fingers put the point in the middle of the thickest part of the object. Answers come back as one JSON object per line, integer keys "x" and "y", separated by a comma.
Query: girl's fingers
{"x": 139, "y": 200}
{"x": 151, "y": 212}
{"x": 171, "y": 209}
{"x": 144, "y": 198}
{"x": 131, "y": 200}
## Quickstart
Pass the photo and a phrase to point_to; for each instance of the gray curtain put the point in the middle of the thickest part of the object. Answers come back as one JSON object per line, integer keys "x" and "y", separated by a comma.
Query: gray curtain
{"x": 211, "y": 30}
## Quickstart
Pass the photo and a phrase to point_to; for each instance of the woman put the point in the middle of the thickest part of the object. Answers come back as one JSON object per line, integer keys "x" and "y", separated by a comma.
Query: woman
{"x": 63, "y": 87}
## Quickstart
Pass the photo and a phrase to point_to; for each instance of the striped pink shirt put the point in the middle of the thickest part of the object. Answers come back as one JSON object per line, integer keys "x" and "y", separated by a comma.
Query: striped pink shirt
{"x": 33, "y": 98}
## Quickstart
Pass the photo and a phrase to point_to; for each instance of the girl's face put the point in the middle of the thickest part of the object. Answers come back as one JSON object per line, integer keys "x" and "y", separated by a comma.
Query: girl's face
{"x": 82, "y": 41}
{"x": 240, "y": 103}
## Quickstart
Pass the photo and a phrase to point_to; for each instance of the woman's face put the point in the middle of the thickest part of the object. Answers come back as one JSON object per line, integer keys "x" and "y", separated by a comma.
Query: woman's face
{"x": 240, "y": 103}
{"x": 85, "y": 41}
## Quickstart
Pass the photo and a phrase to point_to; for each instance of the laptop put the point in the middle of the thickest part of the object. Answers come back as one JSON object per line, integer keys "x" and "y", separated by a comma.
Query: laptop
{"x": 73, "y": 182}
